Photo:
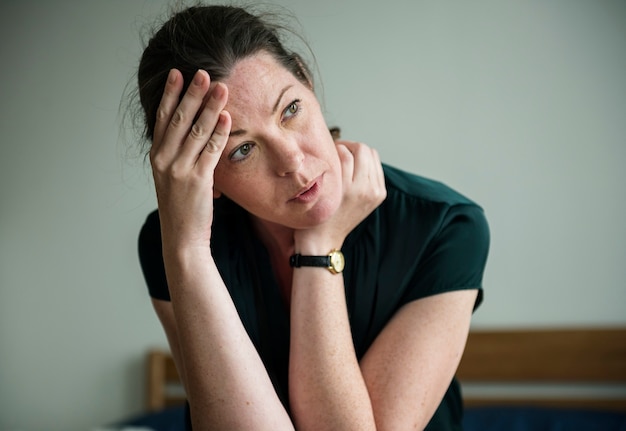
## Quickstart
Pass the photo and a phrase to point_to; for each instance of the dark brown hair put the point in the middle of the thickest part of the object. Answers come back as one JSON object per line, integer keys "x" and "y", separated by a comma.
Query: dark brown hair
{"x": 212, "y": 38}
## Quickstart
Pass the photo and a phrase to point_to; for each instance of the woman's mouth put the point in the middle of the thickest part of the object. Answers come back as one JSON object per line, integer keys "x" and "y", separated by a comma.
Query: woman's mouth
{"x": 308, "y": 193}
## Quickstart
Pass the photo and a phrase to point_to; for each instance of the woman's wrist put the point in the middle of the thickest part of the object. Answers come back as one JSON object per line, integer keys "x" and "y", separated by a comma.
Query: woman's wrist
{"x": 312, "y": 245}
{"x": 188, "y": 255}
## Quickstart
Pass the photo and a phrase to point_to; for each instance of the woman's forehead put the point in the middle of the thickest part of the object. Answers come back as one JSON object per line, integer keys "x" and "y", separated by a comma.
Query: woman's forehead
{"x": 256, "y": 83}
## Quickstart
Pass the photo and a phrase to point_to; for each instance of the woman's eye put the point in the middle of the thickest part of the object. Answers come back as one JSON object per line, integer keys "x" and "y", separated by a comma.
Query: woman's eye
{"x": 292, "y": 109}
{"x": 241, "y": 152}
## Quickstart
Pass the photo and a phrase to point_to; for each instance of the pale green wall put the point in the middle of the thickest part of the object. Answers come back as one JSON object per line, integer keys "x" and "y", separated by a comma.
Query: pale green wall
{"x": 520, "y": 105}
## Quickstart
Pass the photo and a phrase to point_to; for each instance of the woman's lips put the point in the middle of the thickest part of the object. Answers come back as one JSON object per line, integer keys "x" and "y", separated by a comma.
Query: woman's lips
{"x": 308, "y": 193}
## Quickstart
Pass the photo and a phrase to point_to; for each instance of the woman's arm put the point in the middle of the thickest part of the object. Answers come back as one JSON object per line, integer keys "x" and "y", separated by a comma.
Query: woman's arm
{"x": 226, "y": 382}
{"x": 411, "y": 363}
{"x": 326, "y": 387}
{"x": 327, "y": 390}
{"x": 401, "y": 379}
{"x": 404, "y": 375}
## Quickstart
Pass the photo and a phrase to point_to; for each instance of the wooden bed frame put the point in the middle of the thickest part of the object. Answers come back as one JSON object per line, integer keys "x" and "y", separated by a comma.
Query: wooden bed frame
{"x": 569, "y": 358}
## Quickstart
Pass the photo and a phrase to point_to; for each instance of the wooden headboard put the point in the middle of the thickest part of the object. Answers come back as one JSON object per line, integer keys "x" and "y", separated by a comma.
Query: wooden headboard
{"x": 565, "y": 362}
{"x": 569, "y": 358}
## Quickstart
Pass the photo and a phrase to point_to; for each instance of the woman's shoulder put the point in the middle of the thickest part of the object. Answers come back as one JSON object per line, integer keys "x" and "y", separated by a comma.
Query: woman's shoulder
{"x": 402, "y": 184}
{"x": 417, "y": 202}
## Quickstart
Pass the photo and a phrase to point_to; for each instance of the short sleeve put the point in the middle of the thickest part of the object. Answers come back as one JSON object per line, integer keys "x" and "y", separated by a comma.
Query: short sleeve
{"x": 456, "y": 257}
{"x": 151, "y": 257}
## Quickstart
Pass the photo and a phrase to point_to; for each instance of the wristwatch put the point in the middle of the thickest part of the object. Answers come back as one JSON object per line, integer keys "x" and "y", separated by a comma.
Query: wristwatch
{"x": 334, "y": 261}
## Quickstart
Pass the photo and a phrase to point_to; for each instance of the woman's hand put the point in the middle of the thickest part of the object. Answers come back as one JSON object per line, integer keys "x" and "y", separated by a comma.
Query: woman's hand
{"x": 189, "y": 137}
{"x": 363, "y": 191}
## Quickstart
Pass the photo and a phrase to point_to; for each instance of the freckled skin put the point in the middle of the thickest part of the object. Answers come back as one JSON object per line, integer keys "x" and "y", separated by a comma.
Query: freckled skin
{"x": 290, "y": 148}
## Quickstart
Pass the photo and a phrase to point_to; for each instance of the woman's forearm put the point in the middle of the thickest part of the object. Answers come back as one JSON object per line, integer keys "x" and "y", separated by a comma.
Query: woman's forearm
{"x": 227, "y": 384}
{"x": 326, "y": 387}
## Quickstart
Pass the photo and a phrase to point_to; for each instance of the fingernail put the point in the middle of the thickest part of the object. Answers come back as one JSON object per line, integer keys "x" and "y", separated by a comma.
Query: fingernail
{"x": 217, "y": 91}
{"x": 198, "y": 79}
{"x": 171, "y": 77}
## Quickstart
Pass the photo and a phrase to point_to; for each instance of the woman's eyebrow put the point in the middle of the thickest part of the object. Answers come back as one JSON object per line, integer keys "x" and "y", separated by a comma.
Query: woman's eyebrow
{"x": 280, "y": 96}
{"x": 238, "y": 132}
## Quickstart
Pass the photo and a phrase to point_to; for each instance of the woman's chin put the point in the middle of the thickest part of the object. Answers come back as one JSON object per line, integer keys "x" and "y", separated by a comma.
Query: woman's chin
{"x": 319, "y": 215}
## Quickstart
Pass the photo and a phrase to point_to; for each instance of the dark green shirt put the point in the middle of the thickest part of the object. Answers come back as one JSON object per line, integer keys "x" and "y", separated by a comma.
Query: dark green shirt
{"x": 424, "y": 239}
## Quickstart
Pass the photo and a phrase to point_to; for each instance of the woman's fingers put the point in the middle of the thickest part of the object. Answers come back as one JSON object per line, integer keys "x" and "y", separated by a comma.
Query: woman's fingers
{"x": 169, "y": 101}
{"x": 364, "y": 169}
{"x": 174, "y": 119}
{"x": 380, "y": 174}
{"x": 347, "y": 162}
{"x": 375, "y": 175}
{"x": 204, "y": 131}
{"x": 212, "y": 150}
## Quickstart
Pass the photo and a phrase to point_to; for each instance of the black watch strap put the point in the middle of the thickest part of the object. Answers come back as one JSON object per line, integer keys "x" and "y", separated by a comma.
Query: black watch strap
{"x": 298, "y": 260}
{"x": 334, "y": 261}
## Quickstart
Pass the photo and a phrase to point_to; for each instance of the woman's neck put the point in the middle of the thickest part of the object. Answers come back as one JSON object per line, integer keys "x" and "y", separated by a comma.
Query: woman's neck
{"x": 277, "y": 239}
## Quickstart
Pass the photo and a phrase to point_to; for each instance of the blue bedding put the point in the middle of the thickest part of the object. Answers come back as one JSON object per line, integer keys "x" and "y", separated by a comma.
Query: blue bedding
{"x": 476, "y": 419}
{"x": 541, "y": 419}
{"x": 168, "y": 419}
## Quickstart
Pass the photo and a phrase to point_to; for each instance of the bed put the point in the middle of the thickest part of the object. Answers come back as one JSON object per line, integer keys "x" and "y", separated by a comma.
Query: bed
{"x": 513, "y": 380}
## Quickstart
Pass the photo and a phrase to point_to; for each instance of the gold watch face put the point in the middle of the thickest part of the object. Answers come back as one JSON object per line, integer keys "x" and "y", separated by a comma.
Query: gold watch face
{"x": 337, "y": 261}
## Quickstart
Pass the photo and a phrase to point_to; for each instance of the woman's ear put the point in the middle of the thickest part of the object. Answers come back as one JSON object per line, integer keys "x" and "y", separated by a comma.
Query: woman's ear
{"x": 216, "y": 194}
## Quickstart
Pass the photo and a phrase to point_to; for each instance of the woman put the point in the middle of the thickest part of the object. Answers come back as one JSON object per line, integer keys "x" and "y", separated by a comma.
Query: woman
{"x": 258, "y": 211}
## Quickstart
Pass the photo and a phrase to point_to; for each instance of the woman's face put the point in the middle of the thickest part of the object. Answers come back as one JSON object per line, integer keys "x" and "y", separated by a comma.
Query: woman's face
{"x": 280, "y": 163}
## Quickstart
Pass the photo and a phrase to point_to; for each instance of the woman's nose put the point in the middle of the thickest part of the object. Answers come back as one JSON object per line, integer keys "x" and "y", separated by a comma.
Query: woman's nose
{"x": 289, "y": 157}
